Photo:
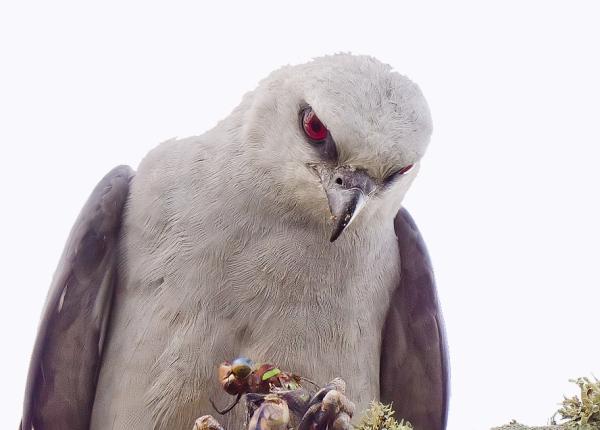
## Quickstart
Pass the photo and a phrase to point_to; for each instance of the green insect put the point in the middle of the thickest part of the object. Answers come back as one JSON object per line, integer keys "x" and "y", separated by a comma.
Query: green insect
{"x": 242, "y": 376}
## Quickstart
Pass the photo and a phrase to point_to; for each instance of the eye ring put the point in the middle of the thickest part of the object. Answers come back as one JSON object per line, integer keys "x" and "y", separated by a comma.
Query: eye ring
{"x": 313, "y": 128}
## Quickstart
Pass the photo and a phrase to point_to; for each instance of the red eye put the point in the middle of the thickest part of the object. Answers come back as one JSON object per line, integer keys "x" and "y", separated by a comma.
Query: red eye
{"x": 313, "y": 127}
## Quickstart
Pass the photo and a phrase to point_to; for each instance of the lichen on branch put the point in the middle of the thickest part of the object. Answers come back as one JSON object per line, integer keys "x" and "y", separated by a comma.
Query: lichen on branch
{"x": 381, "y": 417}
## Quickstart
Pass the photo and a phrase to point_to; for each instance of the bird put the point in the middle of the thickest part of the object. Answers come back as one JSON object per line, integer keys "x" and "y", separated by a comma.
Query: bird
{"x": 280, "y": 234}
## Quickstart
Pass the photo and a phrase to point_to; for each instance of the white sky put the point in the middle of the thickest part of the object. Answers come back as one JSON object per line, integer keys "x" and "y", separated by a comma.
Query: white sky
{"x": 507, "y": 197}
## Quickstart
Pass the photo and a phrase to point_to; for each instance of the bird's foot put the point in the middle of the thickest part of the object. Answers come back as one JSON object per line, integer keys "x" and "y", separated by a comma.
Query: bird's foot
{"x": 272, "y": 414}
{"x": 329, "y": 409}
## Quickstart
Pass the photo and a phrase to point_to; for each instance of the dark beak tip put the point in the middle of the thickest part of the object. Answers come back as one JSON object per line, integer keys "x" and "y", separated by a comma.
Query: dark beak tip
{"x": 337, "y": 232}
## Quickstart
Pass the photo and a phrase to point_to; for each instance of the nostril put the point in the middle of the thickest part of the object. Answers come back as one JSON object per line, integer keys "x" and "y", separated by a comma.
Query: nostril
{"x": 339, "y": 181}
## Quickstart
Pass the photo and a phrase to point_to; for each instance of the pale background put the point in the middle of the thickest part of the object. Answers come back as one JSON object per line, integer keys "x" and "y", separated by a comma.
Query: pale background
{"x": 507, "y": 198}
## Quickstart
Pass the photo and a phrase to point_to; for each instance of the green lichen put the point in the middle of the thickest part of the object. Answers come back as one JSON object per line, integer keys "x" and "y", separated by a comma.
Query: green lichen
{"x": 514, "y": 425}
{"x": 381, "y": 417}
{"x": 582, "y": 412}
{"x": 576, "y": 413}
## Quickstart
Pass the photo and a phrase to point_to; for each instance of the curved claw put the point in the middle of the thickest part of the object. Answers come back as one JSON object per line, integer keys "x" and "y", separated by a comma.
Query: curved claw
{"x": 228, "y": 408}
{"x": 337, "y": 384}
{"x": 329, "y": 409}
{"x": 312, "y": 419}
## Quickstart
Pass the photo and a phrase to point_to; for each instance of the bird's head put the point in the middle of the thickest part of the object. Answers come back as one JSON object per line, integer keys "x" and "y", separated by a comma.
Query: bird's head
{"x": 339, "y": 135}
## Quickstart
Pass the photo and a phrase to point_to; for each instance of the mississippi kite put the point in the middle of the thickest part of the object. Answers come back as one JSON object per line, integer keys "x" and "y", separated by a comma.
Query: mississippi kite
{"x": 277, "y": 235}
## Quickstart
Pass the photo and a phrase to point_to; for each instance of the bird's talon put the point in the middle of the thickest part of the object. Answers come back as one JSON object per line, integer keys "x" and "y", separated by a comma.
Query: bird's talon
{"x": 329, "y": 409}
{"x": 272, "y": 414}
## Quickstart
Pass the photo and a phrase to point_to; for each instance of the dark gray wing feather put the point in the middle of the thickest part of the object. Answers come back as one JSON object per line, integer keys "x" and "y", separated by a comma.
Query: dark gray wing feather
{"x": 414, "y": 372}
{"x": 64, "y": 366}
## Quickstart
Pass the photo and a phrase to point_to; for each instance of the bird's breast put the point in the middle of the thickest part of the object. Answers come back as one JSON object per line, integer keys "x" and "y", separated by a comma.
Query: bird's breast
{"x": 198, "y": 288}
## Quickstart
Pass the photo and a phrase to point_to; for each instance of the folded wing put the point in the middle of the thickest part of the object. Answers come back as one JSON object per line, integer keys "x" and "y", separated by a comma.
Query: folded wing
{"x": 414, "y": 370}
{"x": 65, "y": 362}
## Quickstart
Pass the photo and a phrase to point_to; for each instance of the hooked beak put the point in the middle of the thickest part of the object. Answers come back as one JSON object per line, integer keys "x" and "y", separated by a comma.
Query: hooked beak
{"x": 344, "y": 206}
{"x": 347, "y": 191}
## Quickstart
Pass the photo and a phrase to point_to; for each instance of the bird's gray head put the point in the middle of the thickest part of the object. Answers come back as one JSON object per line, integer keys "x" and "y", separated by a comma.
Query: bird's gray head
{"x": 336, "y": 135}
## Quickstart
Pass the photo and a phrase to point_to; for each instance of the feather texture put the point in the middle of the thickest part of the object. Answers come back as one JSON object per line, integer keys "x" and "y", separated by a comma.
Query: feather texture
{"x": 224, "y": 251}
{"x": 64, "y": 366}
{"x": 414, "y": 358}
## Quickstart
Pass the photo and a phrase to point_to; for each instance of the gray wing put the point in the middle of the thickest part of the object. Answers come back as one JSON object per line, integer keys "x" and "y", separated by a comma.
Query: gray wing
{"x": 64, "y": 366}
{"x": 414, "y": 371}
